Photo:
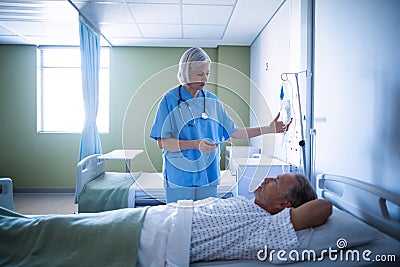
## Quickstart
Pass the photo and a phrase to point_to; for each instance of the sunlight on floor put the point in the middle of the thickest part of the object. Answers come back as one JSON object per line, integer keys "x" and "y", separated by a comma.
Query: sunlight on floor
{"x": 49, "y": 203}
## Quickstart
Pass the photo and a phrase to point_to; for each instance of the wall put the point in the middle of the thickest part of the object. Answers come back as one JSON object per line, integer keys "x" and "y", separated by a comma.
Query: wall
{"x": 35, "y": 160}
{"x": 279, "y": 48}
{"x": 357, "y": 90}
{"x": 24, "y": 154}
{"x": 356, "y": 85}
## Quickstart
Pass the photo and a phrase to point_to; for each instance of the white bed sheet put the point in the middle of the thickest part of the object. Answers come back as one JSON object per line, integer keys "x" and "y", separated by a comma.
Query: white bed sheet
{"x": 170, "y": 225}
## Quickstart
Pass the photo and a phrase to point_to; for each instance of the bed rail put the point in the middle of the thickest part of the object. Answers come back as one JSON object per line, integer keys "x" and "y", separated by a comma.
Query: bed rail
{"x": 369, "y": 203}
{"x": 87, "y": 170}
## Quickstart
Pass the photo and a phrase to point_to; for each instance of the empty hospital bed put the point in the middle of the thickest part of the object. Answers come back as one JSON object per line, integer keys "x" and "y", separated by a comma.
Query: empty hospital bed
{"x": 98, "y": 190}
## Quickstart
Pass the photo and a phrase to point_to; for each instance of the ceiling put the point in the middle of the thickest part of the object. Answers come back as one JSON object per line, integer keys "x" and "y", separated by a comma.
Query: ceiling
{"x": 174, "y": 23}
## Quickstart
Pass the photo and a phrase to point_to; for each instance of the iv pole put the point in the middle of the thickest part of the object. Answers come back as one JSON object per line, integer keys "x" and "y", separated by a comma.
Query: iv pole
{"x": 302, "y": 142}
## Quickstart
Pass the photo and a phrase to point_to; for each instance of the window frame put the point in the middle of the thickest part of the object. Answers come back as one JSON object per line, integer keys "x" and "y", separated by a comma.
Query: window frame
{"x": 104, "y": 91}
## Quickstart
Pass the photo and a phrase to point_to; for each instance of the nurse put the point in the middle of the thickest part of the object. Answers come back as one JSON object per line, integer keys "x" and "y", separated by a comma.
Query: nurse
{"x": 189, "y": 127}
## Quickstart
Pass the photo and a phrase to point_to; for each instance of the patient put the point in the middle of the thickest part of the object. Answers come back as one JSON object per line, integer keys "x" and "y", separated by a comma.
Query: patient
{"x": 177, "y": 233}
{"x": 237, "y": 228}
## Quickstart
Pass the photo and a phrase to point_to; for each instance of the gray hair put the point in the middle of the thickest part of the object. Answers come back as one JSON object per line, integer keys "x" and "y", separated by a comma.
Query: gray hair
{"x": 190, "y": 59}
{"x": 300, "y": 194}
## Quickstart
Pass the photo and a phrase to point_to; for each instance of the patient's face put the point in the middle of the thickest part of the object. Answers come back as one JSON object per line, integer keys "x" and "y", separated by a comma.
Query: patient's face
{"x": 270, "y": 195}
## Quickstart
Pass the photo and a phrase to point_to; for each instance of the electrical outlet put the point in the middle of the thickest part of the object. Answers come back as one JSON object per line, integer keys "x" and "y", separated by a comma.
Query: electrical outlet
{"x": 293, "y": 168}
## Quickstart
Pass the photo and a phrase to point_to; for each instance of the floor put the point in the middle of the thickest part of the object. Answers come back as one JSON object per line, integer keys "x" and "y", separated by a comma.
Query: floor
{"x": 49, "y": 203}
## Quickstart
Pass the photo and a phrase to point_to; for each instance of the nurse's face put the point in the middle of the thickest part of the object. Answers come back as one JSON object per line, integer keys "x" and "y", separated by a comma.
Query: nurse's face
{"x": 198, "y": 76}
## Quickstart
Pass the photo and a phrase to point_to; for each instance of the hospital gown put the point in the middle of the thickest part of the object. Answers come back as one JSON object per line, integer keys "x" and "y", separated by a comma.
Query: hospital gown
{"x": 237, "y": 228}
{"x": 211, "y": 229}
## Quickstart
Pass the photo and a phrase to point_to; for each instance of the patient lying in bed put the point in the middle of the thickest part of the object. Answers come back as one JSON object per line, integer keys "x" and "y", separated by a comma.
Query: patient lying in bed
{"x": 178, "y": 233}
{"x": 237, "y": 228}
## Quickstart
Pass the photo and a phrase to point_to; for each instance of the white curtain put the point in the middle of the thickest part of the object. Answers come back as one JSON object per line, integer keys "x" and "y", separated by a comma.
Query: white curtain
{"x": 90, "y": 65}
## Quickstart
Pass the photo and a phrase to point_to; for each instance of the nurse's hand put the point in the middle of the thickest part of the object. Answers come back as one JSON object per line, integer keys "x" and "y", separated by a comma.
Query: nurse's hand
{"x": 207, "y": 146}
{"x": 278, "y": 126}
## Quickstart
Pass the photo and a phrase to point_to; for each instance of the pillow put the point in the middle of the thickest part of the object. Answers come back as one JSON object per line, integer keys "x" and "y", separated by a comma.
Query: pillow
{"x": 341, "y": 231}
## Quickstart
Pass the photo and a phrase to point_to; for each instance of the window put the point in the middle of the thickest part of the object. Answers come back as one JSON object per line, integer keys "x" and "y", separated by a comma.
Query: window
{"x": 59, "y": 91}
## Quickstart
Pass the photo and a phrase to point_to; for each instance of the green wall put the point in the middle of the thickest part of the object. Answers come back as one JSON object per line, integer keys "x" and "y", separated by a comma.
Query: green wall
{"x": 138, "y": 77}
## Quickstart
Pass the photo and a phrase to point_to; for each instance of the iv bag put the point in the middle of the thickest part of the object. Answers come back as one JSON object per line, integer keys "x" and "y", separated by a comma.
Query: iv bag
{"x": 285, "y": 110}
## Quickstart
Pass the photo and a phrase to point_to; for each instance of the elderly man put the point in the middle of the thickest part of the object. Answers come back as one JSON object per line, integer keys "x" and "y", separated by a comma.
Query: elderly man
{"x": 237, "y": 228}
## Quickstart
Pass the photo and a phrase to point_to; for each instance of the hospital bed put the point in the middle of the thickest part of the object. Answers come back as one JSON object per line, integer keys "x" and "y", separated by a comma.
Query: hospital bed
{"x": 126, "y": 190}
{"x": 361, "y": 216}
{"x": 361, "y": 224}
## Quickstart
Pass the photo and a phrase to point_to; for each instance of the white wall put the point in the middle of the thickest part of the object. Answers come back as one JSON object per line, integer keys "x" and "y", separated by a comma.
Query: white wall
{"x": 276, "y": 50}
{"x": 357, "y": 90}
{"x": 356, "y": 87}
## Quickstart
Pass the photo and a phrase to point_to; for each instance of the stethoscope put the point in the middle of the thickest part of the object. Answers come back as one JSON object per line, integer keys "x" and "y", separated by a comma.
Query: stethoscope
{"x": 203, "y": 114}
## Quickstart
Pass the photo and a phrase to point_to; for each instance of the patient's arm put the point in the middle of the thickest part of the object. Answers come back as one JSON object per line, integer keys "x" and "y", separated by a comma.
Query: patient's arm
{"x": 311, "y": 214}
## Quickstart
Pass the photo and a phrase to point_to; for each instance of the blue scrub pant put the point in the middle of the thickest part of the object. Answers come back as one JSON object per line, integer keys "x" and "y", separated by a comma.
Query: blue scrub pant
{"x": 173, "y": 194}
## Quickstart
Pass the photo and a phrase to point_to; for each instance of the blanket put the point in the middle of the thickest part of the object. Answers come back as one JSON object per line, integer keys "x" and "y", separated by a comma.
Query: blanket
{"x": 109, "y": 191}
{"x": 108, "y": 238}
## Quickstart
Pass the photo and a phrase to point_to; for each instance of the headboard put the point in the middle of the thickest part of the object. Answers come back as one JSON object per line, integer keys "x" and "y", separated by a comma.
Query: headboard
{"x": 87, "y": 169}
{"x": 365, "y": 201}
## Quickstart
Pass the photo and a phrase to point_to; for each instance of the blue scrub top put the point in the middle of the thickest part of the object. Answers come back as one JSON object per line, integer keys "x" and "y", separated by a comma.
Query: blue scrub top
{"x": 191, "y": 167}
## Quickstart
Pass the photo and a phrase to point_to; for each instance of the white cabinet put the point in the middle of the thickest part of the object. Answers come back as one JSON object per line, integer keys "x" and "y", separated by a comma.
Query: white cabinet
{"x": 239, "y": 152}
